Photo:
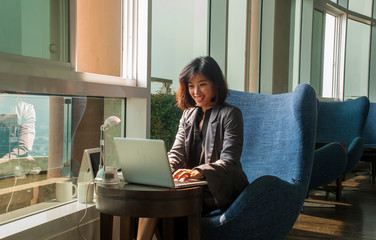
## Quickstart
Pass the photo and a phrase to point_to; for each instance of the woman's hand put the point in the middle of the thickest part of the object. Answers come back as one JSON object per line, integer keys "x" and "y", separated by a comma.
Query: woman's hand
{"x": 186, "y": 174}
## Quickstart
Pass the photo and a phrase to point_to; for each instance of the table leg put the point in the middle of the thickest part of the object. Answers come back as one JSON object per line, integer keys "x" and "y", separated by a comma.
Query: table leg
{"x": 127, "y": 228}
{"x": 194, "y": 226}
{"x": 106, "y": 226}
{"x": 168, "y": 228}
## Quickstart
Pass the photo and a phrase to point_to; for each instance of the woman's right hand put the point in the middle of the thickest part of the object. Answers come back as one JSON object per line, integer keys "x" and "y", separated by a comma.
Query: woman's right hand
{"x": 187, "y": 174}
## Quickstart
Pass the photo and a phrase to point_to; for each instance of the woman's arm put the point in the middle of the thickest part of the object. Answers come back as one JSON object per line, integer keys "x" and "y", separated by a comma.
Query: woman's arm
{"x": 176, "y": 155}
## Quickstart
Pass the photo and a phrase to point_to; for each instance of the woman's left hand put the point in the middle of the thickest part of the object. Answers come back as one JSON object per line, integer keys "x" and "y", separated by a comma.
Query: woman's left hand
{"x": 186, "y": 174}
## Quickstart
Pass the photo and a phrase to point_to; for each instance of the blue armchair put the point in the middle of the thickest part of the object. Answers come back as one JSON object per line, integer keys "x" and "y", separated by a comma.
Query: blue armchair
{"x": 338, "y": 123}
{"x": 369, "y": 136}
{"x": 279, "y": 138}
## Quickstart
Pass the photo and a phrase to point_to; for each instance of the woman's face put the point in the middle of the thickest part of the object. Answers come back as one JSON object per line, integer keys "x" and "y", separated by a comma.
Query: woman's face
{"x": 202, "y": 90}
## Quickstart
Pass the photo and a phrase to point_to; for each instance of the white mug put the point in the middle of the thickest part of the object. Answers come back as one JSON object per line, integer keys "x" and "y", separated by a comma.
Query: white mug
{"x": 85, "y": 192}
{"x": 65, "y": 191}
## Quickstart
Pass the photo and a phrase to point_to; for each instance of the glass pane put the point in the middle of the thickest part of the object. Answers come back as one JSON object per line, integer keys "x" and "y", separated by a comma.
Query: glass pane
{"x": 42, "y": 140}
{"x": 317, "y": 42}
{"x": 357, "y": 59}
{"x": 35, "y": 28}
{"x": 236, "y": 44}
{"x": 329, "y": 45}
{"x": 372, "y": 86}
{"x": 179, "y": 34}
{"x": 361, "y": 6}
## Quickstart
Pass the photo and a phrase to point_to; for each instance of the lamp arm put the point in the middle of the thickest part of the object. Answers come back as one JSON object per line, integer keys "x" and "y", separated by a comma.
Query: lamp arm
{"x": 102, "y": 151}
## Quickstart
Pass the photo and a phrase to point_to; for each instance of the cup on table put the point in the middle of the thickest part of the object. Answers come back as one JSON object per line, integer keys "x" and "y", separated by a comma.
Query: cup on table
{"x": 65, "y": 191}
{"x": 85, "y": 192}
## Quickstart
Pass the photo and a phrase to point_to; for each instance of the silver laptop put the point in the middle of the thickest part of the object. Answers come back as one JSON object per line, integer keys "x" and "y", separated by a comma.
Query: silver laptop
{"x": 145, "y": 161}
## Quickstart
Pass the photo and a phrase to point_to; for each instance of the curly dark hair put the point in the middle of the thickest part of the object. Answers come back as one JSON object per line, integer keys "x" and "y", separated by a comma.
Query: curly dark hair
{"x": 207, "y": 67}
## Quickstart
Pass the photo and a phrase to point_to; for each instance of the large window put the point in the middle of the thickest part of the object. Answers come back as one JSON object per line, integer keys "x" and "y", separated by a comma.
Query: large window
{"x": 51, "y": 111}
{"x": 342, "y": 49}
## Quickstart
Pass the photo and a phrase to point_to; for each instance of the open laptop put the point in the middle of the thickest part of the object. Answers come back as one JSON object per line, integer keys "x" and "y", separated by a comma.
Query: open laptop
{"x": 145, "y": 161}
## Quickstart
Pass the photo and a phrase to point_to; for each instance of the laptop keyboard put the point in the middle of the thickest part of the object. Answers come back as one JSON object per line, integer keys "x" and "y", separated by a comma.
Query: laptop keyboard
{"x": 189, "y": 183}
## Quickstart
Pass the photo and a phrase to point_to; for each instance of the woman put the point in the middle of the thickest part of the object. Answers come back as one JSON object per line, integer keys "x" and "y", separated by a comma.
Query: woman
{"x": 209, "y": 141}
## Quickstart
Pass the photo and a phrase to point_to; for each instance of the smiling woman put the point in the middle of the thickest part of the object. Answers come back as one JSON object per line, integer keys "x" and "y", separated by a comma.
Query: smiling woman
{"x": 209, "y": 140}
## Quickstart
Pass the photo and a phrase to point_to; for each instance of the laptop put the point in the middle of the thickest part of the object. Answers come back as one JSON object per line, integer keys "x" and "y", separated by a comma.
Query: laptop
{"x": 145, "y": 161}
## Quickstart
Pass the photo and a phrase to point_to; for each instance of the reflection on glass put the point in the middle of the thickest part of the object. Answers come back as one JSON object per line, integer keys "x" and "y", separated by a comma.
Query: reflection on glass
{"x": 357, "y": 59}
{"x": 361, "y": 6}
{"x": 42, "y": 140}
{"x": 36, "y": 28}
{"x": 19, "y": 144}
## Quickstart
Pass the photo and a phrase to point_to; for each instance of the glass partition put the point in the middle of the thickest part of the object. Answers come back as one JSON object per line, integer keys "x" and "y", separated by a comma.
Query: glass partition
{"x": 42, "y": 140}
{"x": 35, "y": 28}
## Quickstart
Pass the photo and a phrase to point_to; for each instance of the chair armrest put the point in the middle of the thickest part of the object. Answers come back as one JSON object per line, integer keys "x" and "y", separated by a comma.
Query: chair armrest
{"x": 262, "y": 204}
{"x": 355, "y": 152}
{"x": 329, "y": 163}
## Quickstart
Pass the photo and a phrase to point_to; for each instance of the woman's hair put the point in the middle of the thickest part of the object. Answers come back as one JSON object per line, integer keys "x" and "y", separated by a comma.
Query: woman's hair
{"x": 207, "y": 67}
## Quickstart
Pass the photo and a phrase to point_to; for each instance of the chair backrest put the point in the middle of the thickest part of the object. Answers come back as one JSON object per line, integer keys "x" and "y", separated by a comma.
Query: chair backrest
{"x": 279, "y": 133}
{"x": 369, "y": 131}
{"x": 341, "y": 121}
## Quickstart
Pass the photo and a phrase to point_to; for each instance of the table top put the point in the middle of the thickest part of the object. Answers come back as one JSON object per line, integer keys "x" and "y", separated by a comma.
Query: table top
{"x": 146, "y": 201}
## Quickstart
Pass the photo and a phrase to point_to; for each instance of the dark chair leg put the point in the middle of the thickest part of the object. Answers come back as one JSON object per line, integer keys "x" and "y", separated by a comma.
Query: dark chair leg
{"x": 338, "y": 188}
{"x": 373, "y": 169}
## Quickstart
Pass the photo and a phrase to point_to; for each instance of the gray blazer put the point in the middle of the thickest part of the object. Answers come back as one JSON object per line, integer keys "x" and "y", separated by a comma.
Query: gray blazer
{"x": 223, "y": 148}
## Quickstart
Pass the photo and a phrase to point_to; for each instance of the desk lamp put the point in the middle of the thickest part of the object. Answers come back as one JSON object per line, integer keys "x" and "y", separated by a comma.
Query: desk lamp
{"x": 109, "y": 175}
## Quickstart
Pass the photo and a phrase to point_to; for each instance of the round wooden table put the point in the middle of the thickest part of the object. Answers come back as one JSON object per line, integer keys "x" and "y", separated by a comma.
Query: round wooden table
{"x": 130, "y": 201}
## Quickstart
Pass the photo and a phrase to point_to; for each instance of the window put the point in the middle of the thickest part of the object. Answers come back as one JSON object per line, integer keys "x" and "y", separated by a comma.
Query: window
{"x": 327, "y": 60}
{"x": 179, "y": 34}
{"x": 357, "y": 59}
{"x": 329, "y": 56}
{"x": 44, "y": 144}
{"x": 69, "y": 106}
{"x": 363, "y": 7}
{"x": 342, "y": 49}
{"x": 37, "y": 28}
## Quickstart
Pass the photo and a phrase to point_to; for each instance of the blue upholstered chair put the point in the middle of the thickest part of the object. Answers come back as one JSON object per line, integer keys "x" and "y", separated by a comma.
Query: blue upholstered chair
{"x": 340, "y": 124}
{"x": 279, "y": 139}
{"x": 369, "y": 137}
{"x": 329, "y": 164}
{"x": 369, "y": 131}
